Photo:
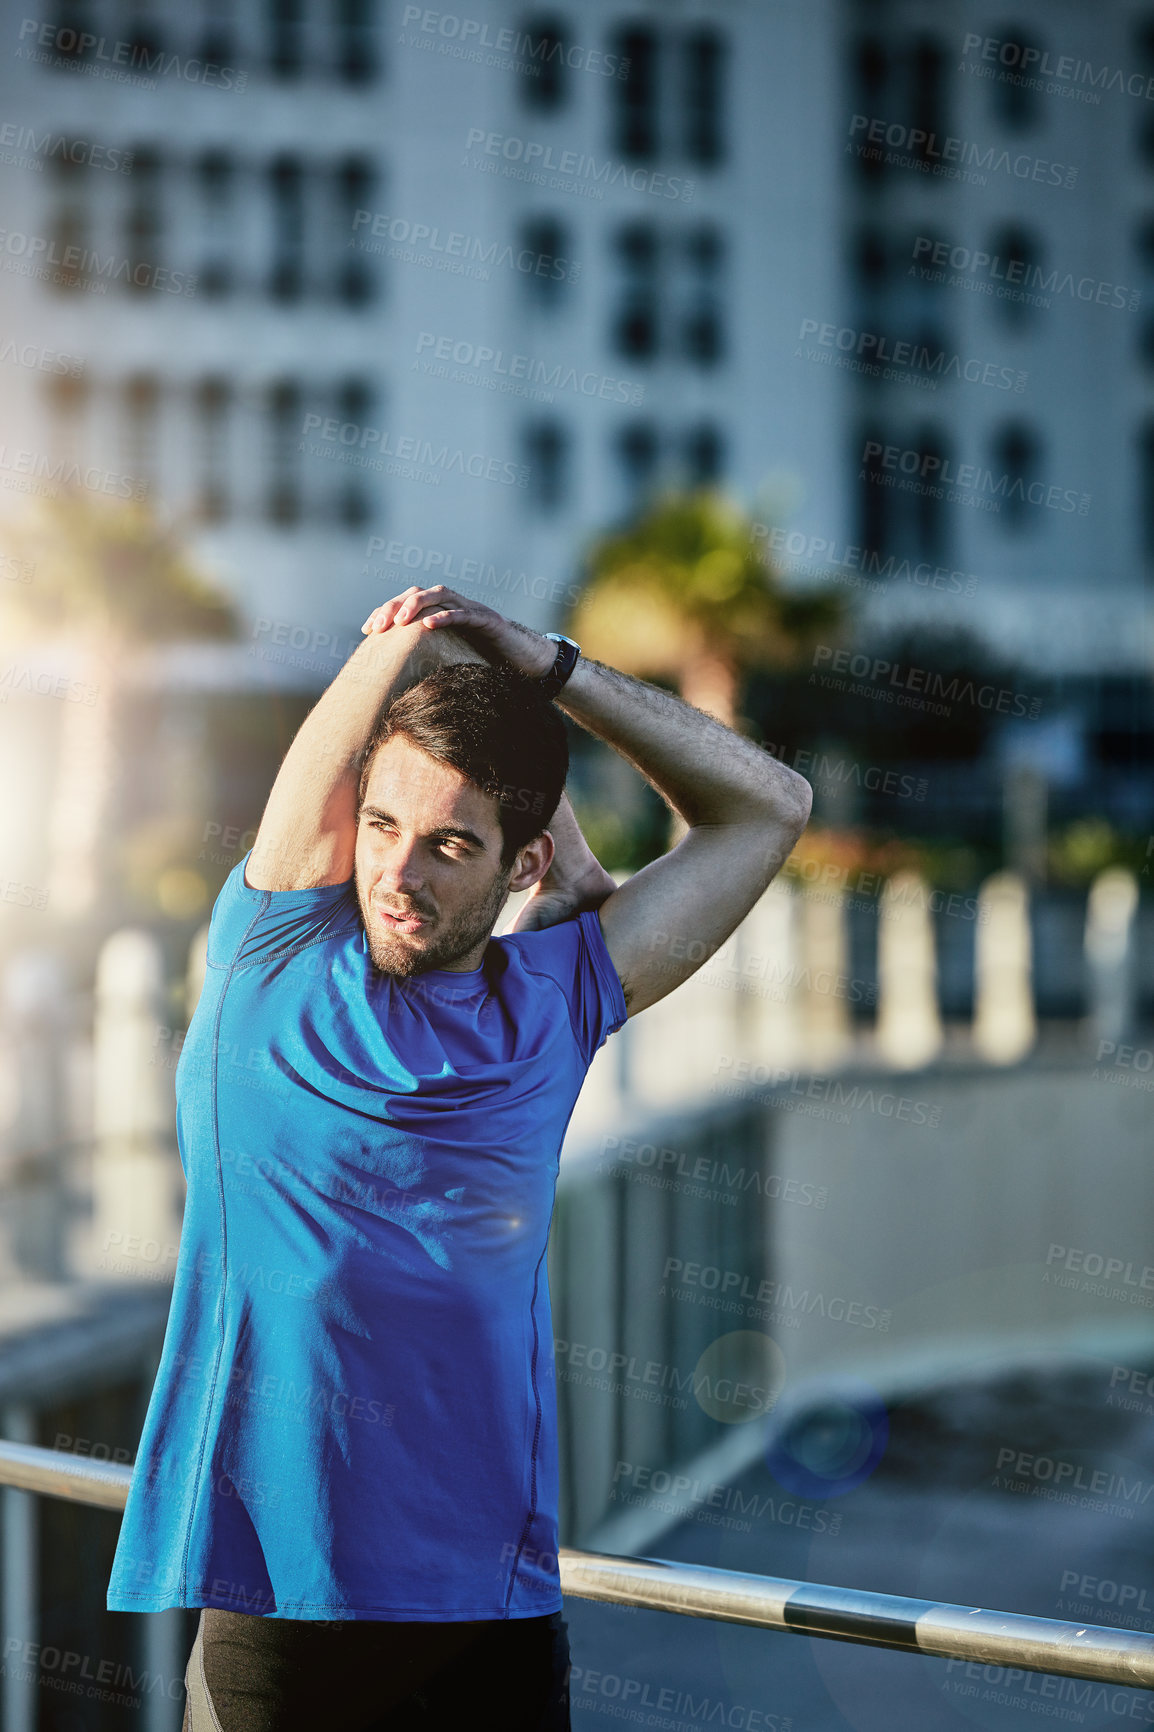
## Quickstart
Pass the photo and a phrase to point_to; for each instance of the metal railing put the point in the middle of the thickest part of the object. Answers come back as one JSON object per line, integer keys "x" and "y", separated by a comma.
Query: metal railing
{"x": 801, "y": 1608}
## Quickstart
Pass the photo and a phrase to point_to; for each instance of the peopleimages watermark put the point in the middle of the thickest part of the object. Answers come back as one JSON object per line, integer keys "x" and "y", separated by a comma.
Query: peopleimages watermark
{"x": 13, "y": 890}
{"x": 421, "y": 243}
{"x": 81, "y": 267}
{"x": 859, "y": 567}
{"x": 1097, "y": 1272}
{"x": 1138, "y": 1388}
{"x": 832, "y": 774}
{"x": 902, "y": 362}
{"x": 36, "y": 357}
{"x": 701, "y": 1175}
{"x": 903, "y": 683}
{"x": 24, "y": 147}
{"x": 1057, "y": 1478}
{"x": 573, "y": 171}
{"x": 743, "y": 1076}
{"x": 45, "y": 685}
{"x": 413, "y": 457}
{"x": 512, "y": 50}
{"x": 924, "y": 472}
{"x": 1014, "y": 279}
{"x": 649, "y": 1704}
{"x": 481, "y": 364}
{"x": 1043, "y": 1693}
{"x": 951, "y": 158}
{"x": 1130, "y": 1066}
{"x": 102, "y": 57}
{"x": 679, "y": 1493}
{"x": 732, "y": 1291}
{"x": 1064, "y": 74}
{"x": 37, "y": 472}
{"x": 442, "y": 566}
{"x": 1088, "y": 1592}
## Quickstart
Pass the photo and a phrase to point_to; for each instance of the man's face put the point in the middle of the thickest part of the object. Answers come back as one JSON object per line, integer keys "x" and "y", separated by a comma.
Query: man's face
{"x": 428, "y": 870}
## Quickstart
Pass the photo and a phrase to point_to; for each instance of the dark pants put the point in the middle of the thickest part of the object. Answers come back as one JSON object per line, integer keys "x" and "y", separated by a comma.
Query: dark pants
{"x": 253, "y": 1674}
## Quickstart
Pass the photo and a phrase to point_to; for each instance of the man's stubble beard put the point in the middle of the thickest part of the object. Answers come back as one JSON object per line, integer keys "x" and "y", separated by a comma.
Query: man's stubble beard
{"x": 397, "y": 957}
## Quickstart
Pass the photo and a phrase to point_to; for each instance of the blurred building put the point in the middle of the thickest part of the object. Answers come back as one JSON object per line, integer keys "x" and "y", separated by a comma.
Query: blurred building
{"x": 369, "y": 292}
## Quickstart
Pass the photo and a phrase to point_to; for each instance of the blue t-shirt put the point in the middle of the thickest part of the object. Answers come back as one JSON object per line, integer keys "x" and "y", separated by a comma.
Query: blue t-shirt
{"x": 355, "y": 1410}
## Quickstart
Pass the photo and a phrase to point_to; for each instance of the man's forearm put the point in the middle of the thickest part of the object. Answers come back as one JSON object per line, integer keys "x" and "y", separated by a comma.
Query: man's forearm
{"x": 307, "y": 835}
{"x": 707, "y": 773}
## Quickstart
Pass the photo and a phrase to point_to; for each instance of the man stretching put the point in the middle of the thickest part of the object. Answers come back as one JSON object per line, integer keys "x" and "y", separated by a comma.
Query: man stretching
{"x": 349, "y": 1458}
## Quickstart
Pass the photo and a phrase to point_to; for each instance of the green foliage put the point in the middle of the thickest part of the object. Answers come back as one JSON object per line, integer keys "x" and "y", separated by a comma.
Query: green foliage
{"x": 689, "y": 580}
{"x": 107, "y": 568}
{"x": 1077, "y": 854}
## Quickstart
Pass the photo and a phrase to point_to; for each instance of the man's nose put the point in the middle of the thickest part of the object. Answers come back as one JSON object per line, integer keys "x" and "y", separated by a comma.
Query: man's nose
{"x": 401, "y": 869}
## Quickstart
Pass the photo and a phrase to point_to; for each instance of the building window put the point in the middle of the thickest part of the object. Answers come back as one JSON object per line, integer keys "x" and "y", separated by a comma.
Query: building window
{"x": 1016, "y": 458}
{"x": 285, "y": 412}
{"x": 544, "y": 251}
{"x": 546, "y": 446}
{"x": 215, "y": 175}
{"x": 869, "y": 80}
{"x": 286, "y": 38}
{"x": 70, "y": 223}
{"x": 142, "y": 228}
{"x": 211, "y": 408}
{"x": 927, "y": 504}
{"x": 1146, "y": 489}
{"x": 217, "y": 42}
{"x": 1020, "y": 261}
{"x": 355, "y": 403}
{"x": 143, "y": 35}
{"x": 635, "y": 95}
{"x": 75, "y": 35}
{"x": 1013, "y": 103}
{"x": 927, "y": 99}
{"x": 702, "y": 332}
{"x": 875, "y": 499}
{"x": 354, "y": 192}
{"x": 703, "y": 62}
{"x": 635, "y": 327}
{"x": 543, "y": 74}
{"x": 638, "y": 455}
{"x": 287, "y": 183}
{"x": 68, "y": 409}
{"x": 869, "y": 259}
{"x": 704, "y": 449}
{"x": 141, "y": 404}
{"x": 356, "y": 41}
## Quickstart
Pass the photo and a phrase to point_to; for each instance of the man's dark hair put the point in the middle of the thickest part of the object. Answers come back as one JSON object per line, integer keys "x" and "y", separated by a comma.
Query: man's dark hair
{"x": 497, "y": 729}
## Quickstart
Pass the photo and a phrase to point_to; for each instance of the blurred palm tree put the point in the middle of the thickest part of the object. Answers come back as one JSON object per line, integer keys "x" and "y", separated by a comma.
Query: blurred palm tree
{"x": 109, "y": 582}
{"x": 687, "y": 594}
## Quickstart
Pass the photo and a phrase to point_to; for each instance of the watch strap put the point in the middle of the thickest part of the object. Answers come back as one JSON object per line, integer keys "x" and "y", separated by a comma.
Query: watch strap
{"x": 568, "y": 655}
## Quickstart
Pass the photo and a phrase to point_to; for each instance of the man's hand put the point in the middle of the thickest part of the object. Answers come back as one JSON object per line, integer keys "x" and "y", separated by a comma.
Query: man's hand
{"x": 497, "y": 638}
{"x": 575, "y": 881}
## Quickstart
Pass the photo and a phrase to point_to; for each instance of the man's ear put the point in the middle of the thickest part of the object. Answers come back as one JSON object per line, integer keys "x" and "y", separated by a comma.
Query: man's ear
{"x": 532, "y": 862}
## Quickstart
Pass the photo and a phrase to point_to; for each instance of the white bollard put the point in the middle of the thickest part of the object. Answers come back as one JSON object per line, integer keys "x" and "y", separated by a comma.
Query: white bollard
{"x": 1004, "y": 1024}
{"x": 135, "y": 1171}
{"x": 35, "y": 1130}
{"x": 909, "y": 1025}
{"x": 1110, "y": 963}
{"x": 827, "y": 1033}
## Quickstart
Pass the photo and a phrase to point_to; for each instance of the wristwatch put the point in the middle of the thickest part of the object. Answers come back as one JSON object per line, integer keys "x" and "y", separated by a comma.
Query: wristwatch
{"x": 568, "y": 654}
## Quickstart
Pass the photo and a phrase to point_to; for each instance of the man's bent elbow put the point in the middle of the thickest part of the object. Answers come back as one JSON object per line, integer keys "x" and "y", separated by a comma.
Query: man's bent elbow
{"x": 792, "y": 801}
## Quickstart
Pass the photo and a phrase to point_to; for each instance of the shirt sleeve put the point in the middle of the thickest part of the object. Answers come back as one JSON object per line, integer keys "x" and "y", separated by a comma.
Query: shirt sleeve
{"x": 575, "y": 956}
{"x": 247, "y": 923}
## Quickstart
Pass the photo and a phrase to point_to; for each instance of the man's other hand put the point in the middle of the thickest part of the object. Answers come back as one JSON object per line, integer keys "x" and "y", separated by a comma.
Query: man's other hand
{"x": 496, "y": 637}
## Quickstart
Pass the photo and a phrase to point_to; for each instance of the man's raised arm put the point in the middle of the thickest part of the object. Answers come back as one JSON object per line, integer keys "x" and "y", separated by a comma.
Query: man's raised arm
{"x": 744, "y": 809}
{"x": 308, "y": 834}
